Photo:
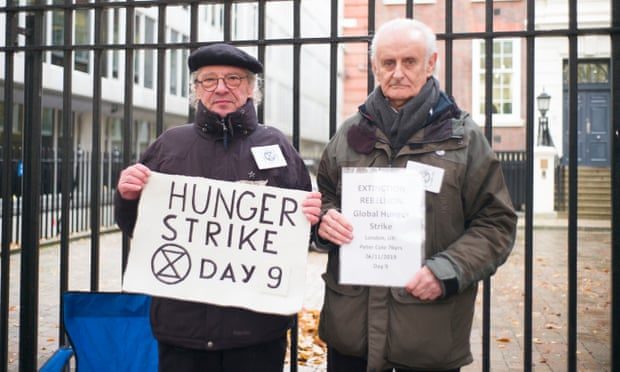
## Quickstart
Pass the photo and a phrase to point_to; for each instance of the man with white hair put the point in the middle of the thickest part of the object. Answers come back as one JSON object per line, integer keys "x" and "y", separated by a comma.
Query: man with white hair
{"x": 469, "y": 223}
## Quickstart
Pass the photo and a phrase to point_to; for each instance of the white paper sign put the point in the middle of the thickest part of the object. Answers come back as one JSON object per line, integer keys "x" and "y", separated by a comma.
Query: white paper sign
{"x": 224, "y": 243}
{"x": 386, "y": 207}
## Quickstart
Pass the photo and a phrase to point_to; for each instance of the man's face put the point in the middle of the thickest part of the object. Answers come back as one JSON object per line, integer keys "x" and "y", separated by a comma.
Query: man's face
{"x": 223, "y": 97}
{"x": 400, "y": 65}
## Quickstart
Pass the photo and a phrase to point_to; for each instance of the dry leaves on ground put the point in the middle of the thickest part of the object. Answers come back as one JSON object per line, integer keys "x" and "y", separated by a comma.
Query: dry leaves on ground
{"x": 311, "y": 350}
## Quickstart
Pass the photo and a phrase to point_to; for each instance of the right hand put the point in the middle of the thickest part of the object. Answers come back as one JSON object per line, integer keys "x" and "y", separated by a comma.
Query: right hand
{"x": 335, "y": 228}
{"x": 132, "y": 181}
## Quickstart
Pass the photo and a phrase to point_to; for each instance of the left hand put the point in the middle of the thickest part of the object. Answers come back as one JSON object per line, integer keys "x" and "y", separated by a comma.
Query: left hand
{"x": 312, "y": 207}
{"x": 424, "y": 285}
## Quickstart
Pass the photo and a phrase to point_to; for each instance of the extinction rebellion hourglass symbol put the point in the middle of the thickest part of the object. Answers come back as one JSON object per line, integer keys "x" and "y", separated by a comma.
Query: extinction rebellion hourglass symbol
{"x": 170, "y": 264}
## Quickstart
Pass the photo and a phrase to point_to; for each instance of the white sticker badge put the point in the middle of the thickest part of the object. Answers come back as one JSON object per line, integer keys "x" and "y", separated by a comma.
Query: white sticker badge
{"x": 268, "y": 157}
{"x": 432, "y": 176}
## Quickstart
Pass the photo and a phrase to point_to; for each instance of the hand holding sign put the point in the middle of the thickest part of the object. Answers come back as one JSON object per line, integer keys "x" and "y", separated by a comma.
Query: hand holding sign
{"x": 132, "y": 181}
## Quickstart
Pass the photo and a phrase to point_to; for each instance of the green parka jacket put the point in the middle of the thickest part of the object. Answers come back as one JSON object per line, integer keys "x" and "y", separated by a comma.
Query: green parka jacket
{"x": 470, "y": 230}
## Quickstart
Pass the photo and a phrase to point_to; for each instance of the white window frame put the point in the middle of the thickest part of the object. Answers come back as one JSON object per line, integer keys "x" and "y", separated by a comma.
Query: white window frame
{"x": 477, "y": 89}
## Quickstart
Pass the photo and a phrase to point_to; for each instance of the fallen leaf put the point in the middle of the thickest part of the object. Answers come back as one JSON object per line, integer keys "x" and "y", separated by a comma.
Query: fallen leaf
{"x": 552, "y": 326}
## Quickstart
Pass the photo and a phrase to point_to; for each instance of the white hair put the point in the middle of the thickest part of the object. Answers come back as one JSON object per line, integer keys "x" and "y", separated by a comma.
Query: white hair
{"x": 255, "y": 81}
{"x": 404, "y": 25}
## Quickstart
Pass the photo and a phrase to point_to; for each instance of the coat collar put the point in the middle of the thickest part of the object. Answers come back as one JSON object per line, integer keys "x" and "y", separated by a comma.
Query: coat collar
{"x": 238, "y": 123}
{"x": 362, "y": 137}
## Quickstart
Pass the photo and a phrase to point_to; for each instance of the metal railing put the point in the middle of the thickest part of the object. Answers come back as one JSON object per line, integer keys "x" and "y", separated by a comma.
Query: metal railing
{"x": 514, "y": 167}
{"x": 31, "y": 31}
{"x": 50, "y": 198}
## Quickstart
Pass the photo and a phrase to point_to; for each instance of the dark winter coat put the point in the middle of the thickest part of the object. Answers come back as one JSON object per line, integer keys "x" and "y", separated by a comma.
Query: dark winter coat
{"x": 216, "y": 149}
{"x": 470, "y": 230}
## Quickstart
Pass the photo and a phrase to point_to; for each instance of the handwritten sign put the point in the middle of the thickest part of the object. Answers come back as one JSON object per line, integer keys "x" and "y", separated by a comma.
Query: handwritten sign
{"x": 224, "y": 243}
{"x": 387, "y": 210}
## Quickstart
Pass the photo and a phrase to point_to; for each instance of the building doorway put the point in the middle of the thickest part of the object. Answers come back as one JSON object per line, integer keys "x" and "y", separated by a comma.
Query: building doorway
{"x": 593, "y": 114}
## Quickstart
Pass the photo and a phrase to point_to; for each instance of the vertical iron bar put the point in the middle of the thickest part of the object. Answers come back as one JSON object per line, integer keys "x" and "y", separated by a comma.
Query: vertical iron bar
{"x": 333, "y": 69}
{"x": 193, "y": 26}
{"x": 193, "y": 37}
{"x": 529, "y": 191}
{"x": 95, "y": 165}
{"x": 449, "y": 45}
{"x": 227, "y": 20}
{"x": 161, "y": 70}
{"x": 572, "y": 188}
{"x": 128, "y": 107}
{"x": 409, "y": 9}
{"x": 615, "y": 187}
{"x": 296, "y": 70}
{"x": 261, "y": 55}
{"x": 370, "y": 82}
{"x": 295, "y": 140}
{"x": 29, "y": 279}
{"x": 488, "y": 130}
{"x": 7, "y": 210}
{"x": 66, "y": 170}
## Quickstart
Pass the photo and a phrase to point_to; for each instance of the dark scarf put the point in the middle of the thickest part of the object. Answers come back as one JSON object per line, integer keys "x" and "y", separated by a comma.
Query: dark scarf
{"x": 400, "y": 125}
{"x": 238, "y": 123}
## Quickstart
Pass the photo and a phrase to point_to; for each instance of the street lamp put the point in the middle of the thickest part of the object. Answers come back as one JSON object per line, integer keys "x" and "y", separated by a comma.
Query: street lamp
{"x": 544, "y": 137}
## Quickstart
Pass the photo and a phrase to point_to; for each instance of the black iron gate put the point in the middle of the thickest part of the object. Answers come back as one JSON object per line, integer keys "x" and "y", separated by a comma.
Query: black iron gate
{"x": 25, "y": 28}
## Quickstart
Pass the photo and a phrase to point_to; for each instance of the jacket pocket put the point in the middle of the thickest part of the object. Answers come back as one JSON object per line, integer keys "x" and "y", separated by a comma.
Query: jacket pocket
{"x": 343, "y": 323}
{"x": 420, "y": 333}
{"x": 430, "y": 334}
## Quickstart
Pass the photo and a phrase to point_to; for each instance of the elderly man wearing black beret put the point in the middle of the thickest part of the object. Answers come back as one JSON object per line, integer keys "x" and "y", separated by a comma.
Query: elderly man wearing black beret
{"x": 217, "y": 145}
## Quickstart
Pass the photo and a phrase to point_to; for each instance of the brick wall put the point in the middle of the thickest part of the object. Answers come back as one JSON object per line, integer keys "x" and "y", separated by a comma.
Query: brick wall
{"x": 469, "y": 17}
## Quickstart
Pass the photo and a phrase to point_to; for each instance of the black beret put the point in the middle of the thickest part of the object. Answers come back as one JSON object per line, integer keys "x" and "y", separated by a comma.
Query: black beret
{"x": 225, "y": 55}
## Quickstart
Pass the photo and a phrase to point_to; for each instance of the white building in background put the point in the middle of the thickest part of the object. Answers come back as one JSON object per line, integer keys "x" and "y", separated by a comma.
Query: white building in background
{"x": 314, "y": 100}
{"x": 594, "y": 78}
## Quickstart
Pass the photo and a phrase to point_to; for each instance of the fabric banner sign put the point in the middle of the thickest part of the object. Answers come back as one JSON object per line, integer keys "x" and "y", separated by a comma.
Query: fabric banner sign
{"x": 224, "y": 243}
{"x": 386, "y": 207}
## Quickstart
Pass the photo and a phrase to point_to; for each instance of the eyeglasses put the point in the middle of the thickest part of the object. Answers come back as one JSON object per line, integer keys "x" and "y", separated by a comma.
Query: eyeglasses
{"x": 210, "y": 83}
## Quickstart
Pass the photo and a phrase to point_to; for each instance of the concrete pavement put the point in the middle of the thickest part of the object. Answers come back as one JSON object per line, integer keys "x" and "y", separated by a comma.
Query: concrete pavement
{"x": 549, "y": 304}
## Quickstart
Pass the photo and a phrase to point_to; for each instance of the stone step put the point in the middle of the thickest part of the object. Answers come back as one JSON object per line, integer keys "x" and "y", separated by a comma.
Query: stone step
{"x": 587, "y": 214}
{"x": 593, "y": 193}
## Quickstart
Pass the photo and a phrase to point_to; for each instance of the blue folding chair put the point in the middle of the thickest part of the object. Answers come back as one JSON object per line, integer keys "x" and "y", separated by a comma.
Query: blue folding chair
{"x": 107, "y": 332}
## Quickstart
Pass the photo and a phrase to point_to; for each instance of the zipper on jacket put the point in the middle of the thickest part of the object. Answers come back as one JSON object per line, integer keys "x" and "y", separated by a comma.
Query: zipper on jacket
{"x": 225, "y": 133}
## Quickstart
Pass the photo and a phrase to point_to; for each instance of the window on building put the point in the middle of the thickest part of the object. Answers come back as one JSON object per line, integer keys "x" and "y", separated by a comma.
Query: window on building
{"x": 115, "y": 40}
{"x": 143, "y": 134}
{"x": 137, "y": 55}
{"x": 185, "y": 70}
{"x": 174, "y": 55}
{"x": 82, "y": 23}
{"x": 589, "y": 72}
{"x": 113, "y": 135}
{"x": 149, "y": 54}
{"x": 18, "y": 120}
{"x": 58, "y": 34}
{"x": 47, "y": 128}
{"x": 506, "y": 78}
{"x": 105, "y": 39}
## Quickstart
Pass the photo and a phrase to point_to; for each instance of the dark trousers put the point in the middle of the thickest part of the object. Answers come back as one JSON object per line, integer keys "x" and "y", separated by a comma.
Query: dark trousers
{"x": 265, "y": 357}
{"x": 337, "y": 362}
